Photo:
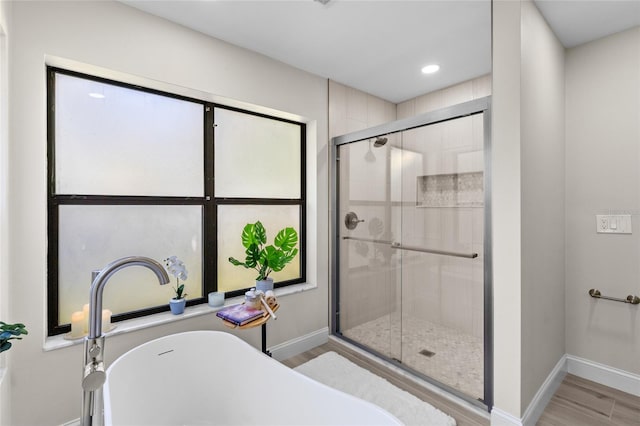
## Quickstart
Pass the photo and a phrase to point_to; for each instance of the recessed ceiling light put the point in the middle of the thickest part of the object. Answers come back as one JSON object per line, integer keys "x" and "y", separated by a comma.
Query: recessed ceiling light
{"x": 430, "y": 69}
{"x": 96, "y": 95}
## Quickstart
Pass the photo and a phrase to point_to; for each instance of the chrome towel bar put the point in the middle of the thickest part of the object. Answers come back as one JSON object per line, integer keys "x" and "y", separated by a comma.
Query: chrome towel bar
{"x": 399, "y": 246}
{"x": 367, "y": 240}
{"x": 634, "y": 300}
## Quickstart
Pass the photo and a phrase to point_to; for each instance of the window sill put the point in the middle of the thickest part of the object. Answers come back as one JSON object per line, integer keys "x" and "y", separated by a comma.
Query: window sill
{"x": 58, "y": 342}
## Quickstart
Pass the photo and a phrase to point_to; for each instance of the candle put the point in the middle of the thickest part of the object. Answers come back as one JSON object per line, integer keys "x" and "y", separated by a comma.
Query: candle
{"x": 106, "y": 320}
{"x": 77, "y": 324}
{"x": 85, "y": 311}
{"x": 216, "y": 299}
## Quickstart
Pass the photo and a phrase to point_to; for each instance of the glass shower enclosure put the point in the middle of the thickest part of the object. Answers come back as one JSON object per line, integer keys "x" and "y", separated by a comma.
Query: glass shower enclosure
{"x": 411, "y": 275}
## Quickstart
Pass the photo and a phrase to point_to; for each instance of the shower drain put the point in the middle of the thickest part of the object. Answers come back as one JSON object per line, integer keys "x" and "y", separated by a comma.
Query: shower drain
{"x": 427, "y": 353}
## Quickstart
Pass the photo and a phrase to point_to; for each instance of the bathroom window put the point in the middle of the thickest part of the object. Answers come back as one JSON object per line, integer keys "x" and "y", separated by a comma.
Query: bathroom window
{"x": 258, "y": 176}
{"x": 135, "y": 171}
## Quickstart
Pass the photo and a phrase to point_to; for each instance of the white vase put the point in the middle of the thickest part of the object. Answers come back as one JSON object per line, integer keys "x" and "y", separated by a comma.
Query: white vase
{"x": 264, "y": 285}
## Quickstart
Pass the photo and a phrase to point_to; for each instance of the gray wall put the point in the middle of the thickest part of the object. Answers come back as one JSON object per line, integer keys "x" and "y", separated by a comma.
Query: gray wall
{"x": 528, "y": 203}
{"x": 542, "y": 159}
{"x": 603, "y": 176}
{"x": 45, "y": 386}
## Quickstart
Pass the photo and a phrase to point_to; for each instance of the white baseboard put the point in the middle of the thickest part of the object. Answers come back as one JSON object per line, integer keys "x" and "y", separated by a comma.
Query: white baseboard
{"x": 545, "y": 393}
{"x": 300, "y": 344}
{"x": 502, "y": 418}
{"x": 604, "y": 374}
{"x": 538, "y": 403}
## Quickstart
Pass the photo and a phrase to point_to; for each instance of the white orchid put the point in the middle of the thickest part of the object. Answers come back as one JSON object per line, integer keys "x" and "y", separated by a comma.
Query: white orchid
{"x": 177, "y": 269}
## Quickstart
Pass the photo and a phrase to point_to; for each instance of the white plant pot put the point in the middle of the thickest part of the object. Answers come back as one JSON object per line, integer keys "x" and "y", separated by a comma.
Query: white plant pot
{"x": 264, "y": 285}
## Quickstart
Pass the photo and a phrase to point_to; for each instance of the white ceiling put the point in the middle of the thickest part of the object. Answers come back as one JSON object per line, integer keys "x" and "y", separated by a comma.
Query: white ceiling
{"x": 579, "y": 21}
{"x": 380, "y": 46}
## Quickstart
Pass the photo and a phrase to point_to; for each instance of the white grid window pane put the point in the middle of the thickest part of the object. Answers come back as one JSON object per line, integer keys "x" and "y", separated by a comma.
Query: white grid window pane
{"x": 93, "y": 236}
{"x": 256, "y": 157}
{"x": 111, "y": 140}
{"x": 231, "y": 221}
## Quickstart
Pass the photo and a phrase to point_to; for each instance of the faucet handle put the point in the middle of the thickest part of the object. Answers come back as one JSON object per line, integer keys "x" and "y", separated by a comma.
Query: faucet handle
{"x": 94, "y": 376}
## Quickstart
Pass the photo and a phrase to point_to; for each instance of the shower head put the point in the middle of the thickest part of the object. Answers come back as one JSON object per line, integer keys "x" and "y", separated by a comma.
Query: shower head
{"x": 379, "y": 142}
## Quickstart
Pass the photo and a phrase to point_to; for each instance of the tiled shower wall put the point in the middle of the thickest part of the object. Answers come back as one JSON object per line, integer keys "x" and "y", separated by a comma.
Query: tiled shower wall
{"x": 367, "y": 292}
{"x": 444, "y": 290}
{"x": 441, "y": 289}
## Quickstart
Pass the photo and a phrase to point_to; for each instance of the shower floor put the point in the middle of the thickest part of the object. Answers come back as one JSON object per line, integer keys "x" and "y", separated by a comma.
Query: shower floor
{"x": 457, "y": 358}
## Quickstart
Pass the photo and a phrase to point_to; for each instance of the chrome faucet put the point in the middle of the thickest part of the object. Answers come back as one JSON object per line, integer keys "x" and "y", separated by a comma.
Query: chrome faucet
{"x": 93, "y": 371}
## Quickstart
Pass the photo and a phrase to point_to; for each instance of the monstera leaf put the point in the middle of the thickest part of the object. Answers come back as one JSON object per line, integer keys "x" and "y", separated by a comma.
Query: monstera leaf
{"x": 266, "y": 259}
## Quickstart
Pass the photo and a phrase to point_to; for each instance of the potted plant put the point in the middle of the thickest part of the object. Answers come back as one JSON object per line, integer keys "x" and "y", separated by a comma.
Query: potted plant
{"x": 10, "y": 332}
{"x": 176, "y": 267}
{"x": 266, "y": 259}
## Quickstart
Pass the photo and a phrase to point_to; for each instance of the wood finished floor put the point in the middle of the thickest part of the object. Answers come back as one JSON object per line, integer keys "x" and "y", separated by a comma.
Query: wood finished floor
{"x": 463, "y": 416}
{"x": 578, "y": 402}
{"x": 582, "y": 402}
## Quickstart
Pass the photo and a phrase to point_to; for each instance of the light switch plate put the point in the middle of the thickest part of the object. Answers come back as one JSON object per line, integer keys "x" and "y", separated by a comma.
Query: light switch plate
{"x": 613, "y": 223}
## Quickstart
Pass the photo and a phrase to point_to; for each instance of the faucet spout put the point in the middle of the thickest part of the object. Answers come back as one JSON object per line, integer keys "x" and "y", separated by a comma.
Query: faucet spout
{"x": 93, "y": 368}
{"x": 100, "y": 279}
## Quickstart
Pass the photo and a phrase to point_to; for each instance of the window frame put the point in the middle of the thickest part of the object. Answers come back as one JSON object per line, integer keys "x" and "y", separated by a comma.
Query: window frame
{"x": 302, "y": 237}
{"x": 208, "y": 202}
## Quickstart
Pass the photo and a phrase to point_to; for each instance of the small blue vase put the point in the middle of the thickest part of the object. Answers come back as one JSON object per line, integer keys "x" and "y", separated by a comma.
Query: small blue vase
{"x": 177, "y": 306}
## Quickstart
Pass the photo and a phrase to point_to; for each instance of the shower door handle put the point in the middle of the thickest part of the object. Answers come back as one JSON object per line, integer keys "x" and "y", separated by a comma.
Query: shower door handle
{"x": 397, "y": 245}
{"x": 351, "y": 220}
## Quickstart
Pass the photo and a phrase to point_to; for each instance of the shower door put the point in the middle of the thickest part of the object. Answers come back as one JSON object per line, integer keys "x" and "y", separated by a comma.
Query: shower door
{"x": 410, "y": 282}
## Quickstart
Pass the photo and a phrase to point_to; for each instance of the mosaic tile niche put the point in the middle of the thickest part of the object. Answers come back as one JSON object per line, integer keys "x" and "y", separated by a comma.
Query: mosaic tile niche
{"x": 451, "y": 190}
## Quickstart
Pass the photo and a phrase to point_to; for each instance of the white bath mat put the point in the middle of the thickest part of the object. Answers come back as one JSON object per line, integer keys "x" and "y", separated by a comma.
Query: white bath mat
{"x": 340, "y": 373}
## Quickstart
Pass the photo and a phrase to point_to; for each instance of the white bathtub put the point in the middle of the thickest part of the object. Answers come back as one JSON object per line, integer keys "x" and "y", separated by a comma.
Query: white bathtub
{"x": 215, "y": 378}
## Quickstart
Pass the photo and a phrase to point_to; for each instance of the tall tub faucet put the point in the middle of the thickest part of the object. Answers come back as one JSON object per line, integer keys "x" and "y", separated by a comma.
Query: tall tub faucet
{"x": 94, "y": 376}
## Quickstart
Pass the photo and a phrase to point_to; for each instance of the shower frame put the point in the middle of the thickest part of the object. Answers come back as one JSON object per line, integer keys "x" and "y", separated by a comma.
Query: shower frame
{"x": 477, "y": 106}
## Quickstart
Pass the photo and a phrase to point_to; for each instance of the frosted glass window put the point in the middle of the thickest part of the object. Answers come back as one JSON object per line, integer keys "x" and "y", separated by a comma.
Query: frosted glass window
{"x": 112, "y": 140}
{"x": 231, "y": 221}
{"x": 93, "y": 236}
{"x": 256, "y": 157}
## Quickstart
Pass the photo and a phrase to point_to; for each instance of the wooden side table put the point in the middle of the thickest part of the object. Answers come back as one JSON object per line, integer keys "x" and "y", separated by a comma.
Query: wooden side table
{"x": 262, "y": 322}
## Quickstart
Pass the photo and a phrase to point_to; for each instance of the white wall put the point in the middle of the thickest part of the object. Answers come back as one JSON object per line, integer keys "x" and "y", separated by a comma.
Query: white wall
{"x": 506, "y": 214}
{"x": 543, "y": 172}
{"x": 45, "y": 386}
{"x": 528, "y": 203}
{"x": 603, "y": 175}
{"x": 5, "y": 11}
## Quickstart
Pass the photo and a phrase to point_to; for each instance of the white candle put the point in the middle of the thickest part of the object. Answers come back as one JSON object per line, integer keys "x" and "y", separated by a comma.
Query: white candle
{"x": 106, "y": 320}
{"x": 85, "y": 311}
{"x": 77, "y": 324}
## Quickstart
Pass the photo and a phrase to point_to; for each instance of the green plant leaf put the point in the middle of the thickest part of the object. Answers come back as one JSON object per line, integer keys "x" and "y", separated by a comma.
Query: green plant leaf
{"x": 270, "y": 258}
{"x": 248, "y": 235}
{"x": 5, "y": 346}
{"x": 266, "y": 256}
{"x": 236, "y": 262}
{"x": 286, "y": 239}
{"x": 253, "y": 256}
{"x": 179, "y": 290}
{"x": 290, "y": 256}
{"x": 260, "y": 233}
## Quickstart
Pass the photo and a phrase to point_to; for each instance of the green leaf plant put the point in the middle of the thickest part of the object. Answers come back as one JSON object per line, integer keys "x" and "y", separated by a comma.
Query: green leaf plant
{"x": 266, "y": 259}
{"x": 10, "y": 332}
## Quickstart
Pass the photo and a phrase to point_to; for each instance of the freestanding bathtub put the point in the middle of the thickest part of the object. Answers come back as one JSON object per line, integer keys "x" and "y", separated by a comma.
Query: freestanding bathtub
{"x": 215, "y": 378}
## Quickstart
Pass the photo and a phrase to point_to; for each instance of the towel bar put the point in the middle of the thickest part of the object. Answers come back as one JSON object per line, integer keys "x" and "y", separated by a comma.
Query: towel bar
{"x": 399, "y": 246}
{"x": 634, "y": 300}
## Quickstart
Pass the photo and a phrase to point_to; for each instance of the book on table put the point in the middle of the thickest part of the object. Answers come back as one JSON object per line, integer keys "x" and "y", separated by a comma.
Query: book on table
{"x": 240, "y": 314}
